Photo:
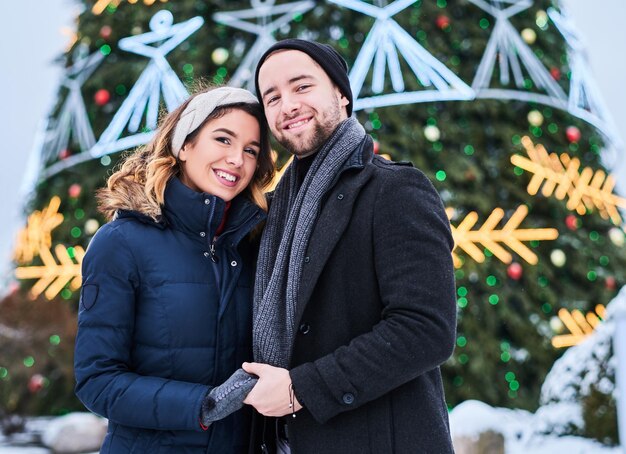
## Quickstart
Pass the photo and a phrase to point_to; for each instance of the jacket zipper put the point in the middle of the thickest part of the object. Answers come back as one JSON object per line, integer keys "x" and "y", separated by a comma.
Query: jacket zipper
{"x": 214, "y": 257}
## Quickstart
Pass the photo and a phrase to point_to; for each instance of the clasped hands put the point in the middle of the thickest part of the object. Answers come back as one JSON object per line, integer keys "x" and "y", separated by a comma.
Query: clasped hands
{"x": 271, "y": 394}
{"x": 268, "y": 389}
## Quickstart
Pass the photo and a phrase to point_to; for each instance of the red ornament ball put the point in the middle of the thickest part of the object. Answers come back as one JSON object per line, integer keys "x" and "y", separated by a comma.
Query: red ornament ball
{"x": 102, "y": 97}
{"x": 572, "y": 133}
{"x": 469, "y": 175}
{"x": 376, "y": 147}
{"x": 64, "y": 153}
{"x": 571, "y": 222}
{"x": 105, "y": 31}
{"x": 555, "y": 73}
{"x": 74, "y": 190}
{"x": 515, "y": 271}
{"x": 610, "y": 283}
{"x": 36, "y": 383}
{"x": 442, "y": 21}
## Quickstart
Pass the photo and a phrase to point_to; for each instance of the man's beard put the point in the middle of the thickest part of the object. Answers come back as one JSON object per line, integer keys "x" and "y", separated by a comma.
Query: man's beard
{"x": 320, "y": 134}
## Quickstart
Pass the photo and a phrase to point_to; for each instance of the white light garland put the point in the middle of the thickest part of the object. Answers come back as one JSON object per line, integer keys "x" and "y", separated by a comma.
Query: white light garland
{"x": 264, "y": 29}
{"x": 72, "y": 118}
{"x": 585, "y": 100}
{"x": 384, "y": 42}
{"x": 511, "y": 52}
{"x": 380, "y": 54}
{"x": 157, "y": 78}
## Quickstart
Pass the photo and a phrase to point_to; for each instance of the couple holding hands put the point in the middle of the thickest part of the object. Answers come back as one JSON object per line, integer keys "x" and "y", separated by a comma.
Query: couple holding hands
{"x": 215, "y": 318}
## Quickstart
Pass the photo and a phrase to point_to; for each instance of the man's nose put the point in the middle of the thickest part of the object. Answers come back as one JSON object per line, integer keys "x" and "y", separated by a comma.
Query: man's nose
{"x": 290, "y": 104}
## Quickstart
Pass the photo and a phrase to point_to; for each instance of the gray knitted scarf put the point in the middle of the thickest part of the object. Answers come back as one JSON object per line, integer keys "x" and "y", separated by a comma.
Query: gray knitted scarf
{"x": 289, "y": 225}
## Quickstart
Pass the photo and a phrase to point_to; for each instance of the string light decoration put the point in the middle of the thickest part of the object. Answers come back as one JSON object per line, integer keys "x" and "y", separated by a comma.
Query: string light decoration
{"x": 53, "y": 276}
{"x": 36, "y": 240}
{"x": 560, "y": 176}
{"x": 73, "y": 118}
{"x": 585, "y": 100}
{"x": 144, "y": 98}
{"x": 262, "y": 11}
{"x": 580, "y": 326}
{"x": 100, "y": 5}
{"x": 71, "y": 36}
{"x": 490, "y": 237}
{"x": 507, "y": 48}
{"x": 36, "y": 236}
{"x": 441, "y": 138}
{"x": 385, "y": 42}
{"x": 158, "y": 78}
{"x": 385, "y": 46}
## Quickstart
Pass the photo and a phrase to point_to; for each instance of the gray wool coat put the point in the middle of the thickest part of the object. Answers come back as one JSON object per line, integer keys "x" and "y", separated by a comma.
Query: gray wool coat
{"x": 376, "y": 316}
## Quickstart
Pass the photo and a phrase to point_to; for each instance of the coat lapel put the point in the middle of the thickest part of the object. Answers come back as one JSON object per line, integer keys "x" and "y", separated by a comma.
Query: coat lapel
{"x": 330, "y": 226}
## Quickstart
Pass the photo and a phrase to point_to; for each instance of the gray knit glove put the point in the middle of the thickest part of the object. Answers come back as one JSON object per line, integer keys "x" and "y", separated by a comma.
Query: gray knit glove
{"x": 227, "y": 398}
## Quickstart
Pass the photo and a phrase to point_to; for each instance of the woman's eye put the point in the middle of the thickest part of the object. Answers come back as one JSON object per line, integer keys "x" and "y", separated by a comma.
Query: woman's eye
{"x": 224, "y": 140}
{"x": 252, "y": 151}
{"x": 303, "y": 87}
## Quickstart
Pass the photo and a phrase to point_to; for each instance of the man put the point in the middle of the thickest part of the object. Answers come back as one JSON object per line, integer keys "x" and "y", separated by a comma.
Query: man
{"x": 354, "y": 300}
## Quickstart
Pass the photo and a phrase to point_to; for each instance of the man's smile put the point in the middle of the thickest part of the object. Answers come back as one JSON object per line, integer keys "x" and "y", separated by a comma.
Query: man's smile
{"x": 296, "y": 123}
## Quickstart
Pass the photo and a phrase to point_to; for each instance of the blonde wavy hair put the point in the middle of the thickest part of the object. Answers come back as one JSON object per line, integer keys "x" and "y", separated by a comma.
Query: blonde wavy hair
{"x": 139, "y": 184}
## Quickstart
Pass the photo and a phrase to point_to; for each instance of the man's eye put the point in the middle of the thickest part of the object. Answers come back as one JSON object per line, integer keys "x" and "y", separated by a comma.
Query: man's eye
{"x": 271, "y": 100}
{"x": 303, "y": 87}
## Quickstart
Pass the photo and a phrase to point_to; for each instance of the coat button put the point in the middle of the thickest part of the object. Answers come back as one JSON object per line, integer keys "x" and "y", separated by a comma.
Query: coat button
{"x": 233, "y": 263}
{"x": 206, "y": 254}
{"x": 207, "y": 201}
{"x": 348, "y": 398}
{"x": 307, "y": 259}
{"x": 340, "y": 197}
{"x": 202, "y": 234}
{"x": 304, "y": 328}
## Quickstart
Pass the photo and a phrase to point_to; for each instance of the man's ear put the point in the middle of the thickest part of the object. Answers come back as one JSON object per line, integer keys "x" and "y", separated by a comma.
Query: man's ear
{"x": 343, "y": 101}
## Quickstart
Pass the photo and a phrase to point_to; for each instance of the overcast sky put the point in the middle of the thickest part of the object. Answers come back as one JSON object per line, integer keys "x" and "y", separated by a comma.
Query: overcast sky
{"x": 31, "y": 39}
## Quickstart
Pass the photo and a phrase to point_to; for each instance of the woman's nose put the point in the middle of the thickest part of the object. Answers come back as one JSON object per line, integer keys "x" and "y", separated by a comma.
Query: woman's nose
{"x": 235, "y": 158}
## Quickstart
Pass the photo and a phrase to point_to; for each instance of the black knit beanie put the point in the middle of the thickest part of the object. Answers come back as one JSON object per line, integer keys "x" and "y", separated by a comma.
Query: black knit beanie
{"x": 331, "y": 62}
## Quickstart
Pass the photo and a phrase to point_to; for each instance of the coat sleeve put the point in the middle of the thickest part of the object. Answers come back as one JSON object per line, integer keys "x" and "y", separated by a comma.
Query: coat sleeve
{"x": 105, "y": 381}
{"x": 412, "y": 246}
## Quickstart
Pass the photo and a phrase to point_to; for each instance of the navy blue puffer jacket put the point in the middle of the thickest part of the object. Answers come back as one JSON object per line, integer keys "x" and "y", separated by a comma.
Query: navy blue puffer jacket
{"x": 163, "y": 317}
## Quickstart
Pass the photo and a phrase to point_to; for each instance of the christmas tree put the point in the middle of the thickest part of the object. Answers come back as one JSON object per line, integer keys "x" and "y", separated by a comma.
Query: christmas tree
{"x": 491, "y": 99}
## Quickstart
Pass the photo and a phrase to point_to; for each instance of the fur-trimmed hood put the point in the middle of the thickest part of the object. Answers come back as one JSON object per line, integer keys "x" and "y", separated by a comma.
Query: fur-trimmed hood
{"x": 129, "y": 196}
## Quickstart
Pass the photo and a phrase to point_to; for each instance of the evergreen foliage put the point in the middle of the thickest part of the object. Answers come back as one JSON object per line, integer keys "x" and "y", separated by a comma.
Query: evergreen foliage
{"x": 504, "y": 332}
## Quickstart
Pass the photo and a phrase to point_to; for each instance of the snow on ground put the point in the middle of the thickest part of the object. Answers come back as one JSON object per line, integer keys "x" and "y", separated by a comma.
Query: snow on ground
{"x": 520, "y": 429}
{"x": 16, "y": 450}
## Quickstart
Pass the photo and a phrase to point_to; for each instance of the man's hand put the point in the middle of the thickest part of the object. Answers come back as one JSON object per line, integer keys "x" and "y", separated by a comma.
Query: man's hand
{"x": 272, "y": 392}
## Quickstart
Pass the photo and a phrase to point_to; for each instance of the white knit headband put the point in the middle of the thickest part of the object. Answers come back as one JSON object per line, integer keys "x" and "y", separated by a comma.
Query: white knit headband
{"x": 202, "y": 106}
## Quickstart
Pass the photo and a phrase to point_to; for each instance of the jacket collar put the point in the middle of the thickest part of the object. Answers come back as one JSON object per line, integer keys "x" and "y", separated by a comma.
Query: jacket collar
{"x": 189, "y": 211}
{"x": 140, "y": 217}
{"x": 363, "y": 155}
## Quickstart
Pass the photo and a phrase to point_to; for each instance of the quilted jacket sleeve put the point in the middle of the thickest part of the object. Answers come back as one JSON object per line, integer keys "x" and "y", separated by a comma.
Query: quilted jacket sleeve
{"x": 105, "y": 382}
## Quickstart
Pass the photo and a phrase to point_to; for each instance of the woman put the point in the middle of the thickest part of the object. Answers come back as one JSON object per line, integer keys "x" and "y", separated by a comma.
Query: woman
{"x": 165, "y": 310}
